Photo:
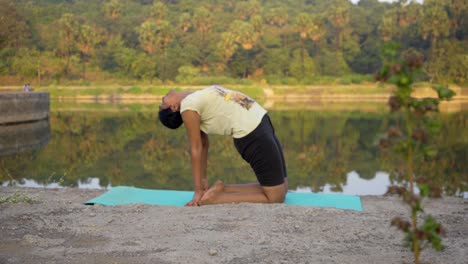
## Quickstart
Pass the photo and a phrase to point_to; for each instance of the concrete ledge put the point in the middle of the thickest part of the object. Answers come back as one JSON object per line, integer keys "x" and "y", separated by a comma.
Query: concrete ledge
{"x": 18, "y": 107}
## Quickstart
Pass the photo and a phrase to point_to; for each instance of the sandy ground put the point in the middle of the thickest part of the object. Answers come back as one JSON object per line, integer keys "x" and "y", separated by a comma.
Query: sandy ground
{"x": 58, "y": 228}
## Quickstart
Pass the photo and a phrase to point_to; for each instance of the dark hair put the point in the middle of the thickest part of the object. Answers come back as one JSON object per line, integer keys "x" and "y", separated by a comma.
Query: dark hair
{"x": 170, "y": 119}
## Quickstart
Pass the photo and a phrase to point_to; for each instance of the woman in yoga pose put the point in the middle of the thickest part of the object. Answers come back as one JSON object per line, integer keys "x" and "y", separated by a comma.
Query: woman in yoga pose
{"x": 217, "y": 110}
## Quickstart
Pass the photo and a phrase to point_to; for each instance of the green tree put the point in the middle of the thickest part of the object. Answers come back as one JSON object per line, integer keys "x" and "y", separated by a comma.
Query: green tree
{"x": 203, "y": 23}
{"x": 144, "y": 67}
{"x": 302, "y": 25}
{"x": 308, "y": 27}
{"x": 14, "y": 31}
{"x": 226, "y": 48}
{"x": 187, "y": 74}
{"x": 113, "y": 9}
{"x": 69, "y": 32}
{"x": 24, "y": 63}
{"x": 147, "y": 35}
{"x": 302, "y": 65}
{"x": 277, "y": 64}
{"x": 34, "y": 64}
{"x": 159, "y": 11}
{"x": 154, "y": 37}
{"x": 109, "y": 56}
{"x": 333, "y": 63}
{"x": 365, "y": 19}
{"x": 457, "y": 12}
{"x": 338, "y": 16}
{"x": 247, "y": 9}
{"x": 434, "y": 23}
{"x": 185, "y": 22}
{"x": 448, "y": 66}
{"x": 257, "y": 23}
{"x": 396, "y": 20}
{"x": 244, "y": 35}
{"x": 87, "y": 41}
{"x": 277, "y": 16}
{"x": 165, "y": 36}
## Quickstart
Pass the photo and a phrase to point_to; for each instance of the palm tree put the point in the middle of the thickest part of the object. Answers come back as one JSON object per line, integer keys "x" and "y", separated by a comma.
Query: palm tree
{"x": 203, "y": 22}
{"x": 226, "y": 48}
{"x": 68, "y": 30}
{"x": 165, "y": 35}
{"x": 397, "y": 19}
{"x": 147, "y": 36}
{"x": 87, "y": 40}
{"x": 156, "y": 37}
{"x": 245, "y": 35}
{"x": 302, "y": 25}
{"x": 434, "y": 23}
{"x": 338, "y": 15}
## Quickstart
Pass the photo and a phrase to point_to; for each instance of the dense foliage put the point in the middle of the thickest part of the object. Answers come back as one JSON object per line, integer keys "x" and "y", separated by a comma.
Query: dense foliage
{"x": 293, "y": 41}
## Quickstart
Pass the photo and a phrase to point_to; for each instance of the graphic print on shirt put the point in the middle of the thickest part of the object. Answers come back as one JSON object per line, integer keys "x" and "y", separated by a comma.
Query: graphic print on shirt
{"x": 243, "y": 100}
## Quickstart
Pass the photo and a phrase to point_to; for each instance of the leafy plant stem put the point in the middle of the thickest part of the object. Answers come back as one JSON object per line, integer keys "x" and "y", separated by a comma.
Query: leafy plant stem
{"x": 414, "y": 215}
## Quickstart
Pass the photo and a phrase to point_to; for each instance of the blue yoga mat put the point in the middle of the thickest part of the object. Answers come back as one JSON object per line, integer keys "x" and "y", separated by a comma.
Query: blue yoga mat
{"x": 131, "y": 195}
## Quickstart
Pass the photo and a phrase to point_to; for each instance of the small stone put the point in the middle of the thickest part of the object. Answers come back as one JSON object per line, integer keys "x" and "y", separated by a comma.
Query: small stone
{"x": 213, "y": 252}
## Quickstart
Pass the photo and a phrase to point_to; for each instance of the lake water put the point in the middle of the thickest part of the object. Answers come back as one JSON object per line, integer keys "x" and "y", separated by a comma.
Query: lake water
{"x": 328, "y": 148}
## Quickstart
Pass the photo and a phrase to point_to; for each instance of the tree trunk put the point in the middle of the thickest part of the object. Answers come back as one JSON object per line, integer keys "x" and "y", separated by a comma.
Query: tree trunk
{"x": 39, "y": 74}
{"x": 245, "y": 65}
{"x": 67, "y": 65}
{"x": 83, "y": 60}
{"x": 302, "y": 60}
{"x": 317, "y": 59}
{"x": 338, "y": 41}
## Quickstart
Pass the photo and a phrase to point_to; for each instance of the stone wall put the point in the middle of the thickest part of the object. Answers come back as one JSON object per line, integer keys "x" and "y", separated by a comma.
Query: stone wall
{"x": 17, "y": 107}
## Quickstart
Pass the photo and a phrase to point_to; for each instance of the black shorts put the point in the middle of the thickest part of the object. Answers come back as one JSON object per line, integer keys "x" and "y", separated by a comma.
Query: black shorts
{"x": 262, "y": 150}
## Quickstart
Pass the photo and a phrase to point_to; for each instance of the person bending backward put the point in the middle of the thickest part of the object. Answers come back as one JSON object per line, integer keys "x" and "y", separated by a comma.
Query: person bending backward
{"x": 217, "y": 110}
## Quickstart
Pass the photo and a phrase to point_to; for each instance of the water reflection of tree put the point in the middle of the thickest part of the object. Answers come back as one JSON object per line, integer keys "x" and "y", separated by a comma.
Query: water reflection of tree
{"x": 134, "y": 149}
{"x": 448, "y": 167}
{"x": 322, "y": 149}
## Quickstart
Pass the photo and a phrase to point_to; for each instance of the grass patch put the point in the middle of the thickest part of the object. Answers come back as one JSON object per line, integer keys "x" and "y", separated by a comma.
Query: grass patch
{"x": 357, "y": 89}
{"x": 16, "y": 198}
{"x": 331, "y": 89}
{"x": 135, "y": 90}
{"x": 253, "y": 90}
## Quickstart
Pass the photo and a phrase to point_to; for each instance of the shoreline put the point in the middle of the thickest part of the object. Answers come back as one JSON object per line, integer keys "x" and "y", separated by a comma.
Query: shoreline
{"x": 369, "y": 91}
{"x": 58, "y": 228}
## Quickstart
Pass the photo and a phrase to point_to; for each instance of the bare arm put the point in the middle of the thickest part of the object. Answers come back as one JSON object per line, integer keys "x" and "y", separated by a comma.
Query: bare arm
{"x": 192, "y": 124}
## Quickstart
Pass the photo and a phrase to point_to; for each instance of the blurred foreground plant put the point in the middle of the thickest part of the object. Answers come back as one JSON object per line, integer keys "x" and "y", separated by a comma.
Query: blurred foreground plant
{"x": 412, "y": 143}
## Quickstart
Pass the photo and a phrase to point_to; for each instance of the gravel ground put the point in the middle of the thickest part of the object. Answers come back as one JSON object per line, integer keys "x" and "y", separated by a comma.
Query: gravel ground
{"x": 58, "y": 228}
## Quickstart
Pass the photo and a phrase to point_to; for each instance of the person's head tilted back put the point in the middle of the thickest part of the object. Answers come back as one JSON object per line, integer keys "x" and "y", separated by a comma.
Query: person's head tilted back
{"x": 170, "y": 118}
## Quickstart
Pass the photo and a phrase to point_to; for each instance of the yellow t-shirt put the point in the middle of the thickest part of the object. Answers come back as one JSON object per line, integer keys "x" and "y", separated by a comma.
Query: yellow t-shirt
{"x": 224, "y": 112}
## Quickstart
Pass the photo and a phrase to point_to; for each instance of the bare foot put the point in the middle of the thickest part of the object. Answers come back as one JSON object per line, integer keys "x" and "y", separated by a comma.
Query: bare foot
{"x": 212, "y": 193}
